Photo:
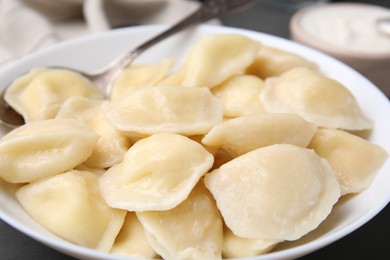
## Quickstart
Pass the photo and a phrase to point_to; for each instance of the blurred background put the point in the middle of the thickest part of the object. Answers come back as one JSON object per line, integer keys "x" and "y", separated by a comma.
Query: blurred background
{"x": 270, "y": 17}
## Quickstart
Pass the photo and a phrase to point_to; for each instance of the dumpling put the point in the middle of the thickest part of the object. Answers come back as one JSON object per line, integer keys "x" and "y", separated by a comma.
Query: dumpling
{"x": 192, "y": 230}
{"x": 239, "y": 247}
{"x": 131, "y": 240}
{"x": 139, "y": 75}
{"x": 157, "y": 173}
{"x": 318, "y": 99}
{"x": 187, "y": 111}
{"x": 354, "y": 159}
{"x": 111, "y": 145}
{"x": 44, "y": 148}
{"x": 272, "y": 62}
{"x": 278, "y": 192}
{"x": 240, "y": 95}
{"x": 216, "y": 58}
{"x": 173, "y": 79}
{"x": 70, "y": 206}
{"x": 243, "y": 134}
{"x": 39, "y": 94}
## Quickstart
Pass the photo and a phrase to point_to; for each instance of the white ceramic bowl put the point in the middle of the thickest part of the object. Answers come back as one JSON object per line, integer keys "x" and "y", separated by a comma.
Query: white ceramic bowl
{"x": 92, "y": 52}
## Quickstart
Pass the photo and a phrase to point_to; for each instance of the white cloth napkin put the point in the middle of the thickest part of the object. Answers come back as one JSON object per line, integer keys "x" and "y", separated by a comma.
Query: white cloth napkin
{"x": 27, "y": 25}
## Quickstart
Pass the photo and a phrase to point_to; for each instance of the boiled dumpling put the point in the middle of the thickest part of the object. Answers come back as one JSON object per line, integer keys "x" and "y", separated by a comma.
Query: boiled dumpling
{"x": 131, "y": 240}
{"x": 318, "y": 99}
{"x": 278, "y": 192}
{"x": 216, "y": 58}
{"x": 192, "y": 230}
{"x": 354, "y": 159}
{"x": 241, "y": 135}
{"x": 111, "y": 145}
{"x": 70, "y": 206}
{"x": 40, "y": 94}
{"x": 157, "y": 173}
{"x": 173, "y": 79}
{"x": 139, "y": 75}
{"x": 239, "y": 247}
{"x": 44, "y": 148}
{"x": 240, "y": 95}
{"x": 271, "y": 62}
{"x": 187, "y": 111}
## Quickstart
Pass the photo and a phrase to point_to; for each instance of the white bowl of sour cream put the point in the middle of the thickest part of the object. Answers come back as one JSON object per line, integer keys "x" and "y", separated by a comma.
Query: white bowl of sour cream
{"x": 349, "y": 32}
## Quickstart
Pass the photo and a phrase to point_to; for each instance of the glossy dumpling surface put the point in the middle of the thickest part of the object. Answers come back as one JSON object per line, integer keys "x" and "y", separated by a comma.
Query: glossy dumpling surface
{"x": 241, "y": 135}
{"x": 240, "y": 95}
{"x": 272, "y": 62}
{"x": 131, "y": 240}
{"x": 187, "y": 111}
{"x": 216, "y": 58}
{"x": 319, "y": 99}
{"x": 139, "y": 75}
{"x": 44, "y": 148}
{"x": 192, "y": 230}
{"x": 70, "y": 206}
{"x": 354, "y": 159}
{"x": 239, "y": 247}
{"x": 157, "y": 173}
{"x": 111, "y": 145}
{"x": 278, "y": 192}
{"x": 39, "y": 94}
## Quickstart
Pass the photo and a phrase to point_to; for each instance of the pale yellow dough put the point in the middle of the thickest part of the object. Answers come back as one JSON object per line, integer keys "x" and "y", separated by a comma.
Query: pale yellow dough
{"x": 244, "y": 134}
{"x": 319, "y": 99}
{"x": 240, "y": 95}
{"x": 131, "y": 240}
{"x": 215, "y": 58}
{"x": 354, "y": 159}
{"x": 139, "y": 75}
{"x": 70, "y": 206}
{"x": 157, "y": 173}
{"x": 278, "y": 192}
{"x": 39, "y": 94}
{"x": 187, "y": 111}
{"x": 44, "y": 148}
{"x": 272, "y": 62}
{"x": 111, "y": 145}
{"x": 192, "y": 230}
{"x": 239, "y": 247}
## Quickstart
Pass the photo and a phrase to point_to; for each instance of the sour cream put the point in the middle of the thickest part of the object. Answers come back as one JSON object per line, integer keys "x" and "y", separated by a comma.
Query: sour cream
{"x": 353, "y": 28}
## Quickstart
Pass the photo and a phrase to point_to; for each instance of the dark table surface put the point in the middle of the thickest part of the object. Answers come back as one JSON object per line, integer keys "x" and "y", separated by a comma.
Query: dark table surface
{"x": 368, "y": 242}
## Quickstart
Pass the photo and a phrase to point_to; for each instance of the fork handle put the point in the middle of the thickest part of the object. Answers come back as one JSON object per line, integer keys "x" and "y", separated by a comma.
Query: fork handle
{"x": 208, "y": 10}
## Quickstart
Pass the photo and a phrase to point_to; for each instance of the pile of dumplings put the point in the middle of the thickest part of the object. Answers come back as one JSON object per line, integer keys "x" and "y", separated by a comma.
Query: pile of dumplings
{"x": 240, "y": 147}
